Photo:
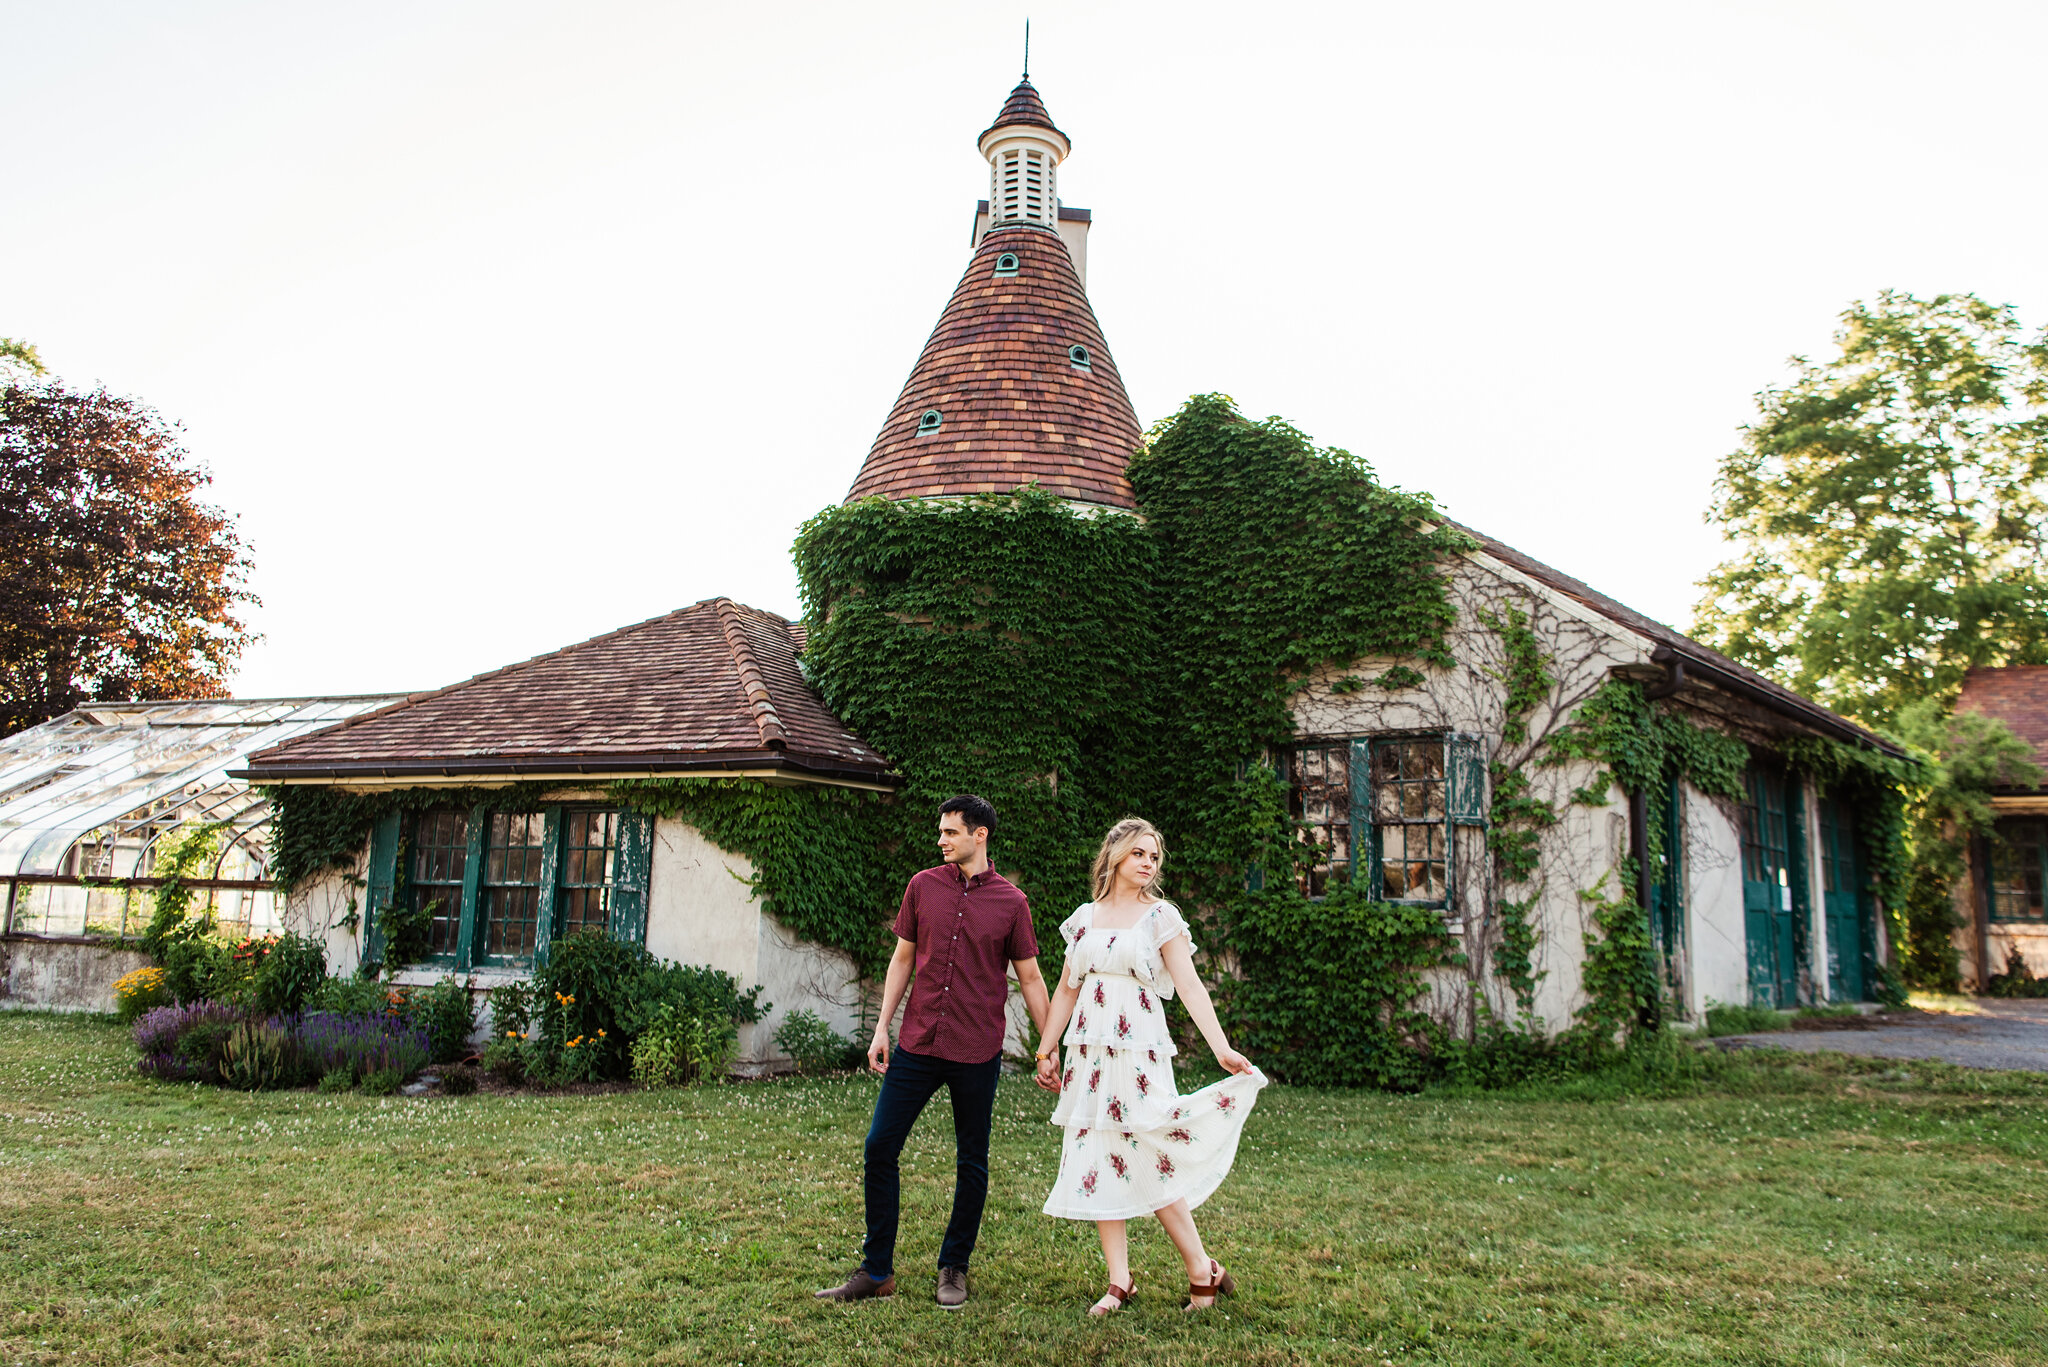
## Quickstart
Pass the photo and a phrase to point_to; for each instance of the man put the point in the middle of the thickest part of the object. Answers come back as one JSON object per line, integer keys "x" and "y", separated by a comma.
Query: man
{"x": 961, "y": 927}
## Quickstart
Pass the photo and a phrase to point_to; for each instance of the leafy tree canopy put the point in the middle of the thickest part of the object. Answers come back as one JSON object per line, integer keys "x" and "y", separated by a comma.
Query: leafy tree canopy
{"x": 116, "y": 582}
{"x": 1888, "y": 510}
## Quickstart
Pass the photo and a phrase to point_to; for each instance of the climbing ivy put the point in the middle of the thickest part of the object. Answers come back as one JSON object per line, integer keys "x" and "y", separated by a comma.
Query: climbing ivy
{"x": 1643, "y": 748}
{"x": 1517, "y": 818}
{"x": 316, "y": 829}
{"x": 1075, "y": 666}
{"x": 1002, "y": 646}
{"x": 1274, "y": 557}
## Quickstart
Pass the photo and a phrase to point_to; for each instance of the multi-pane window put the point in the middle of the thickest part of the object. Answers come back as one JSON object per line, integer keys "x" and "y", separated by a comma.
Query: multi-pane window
{"x": 590, "y": 853}
{"x": 1319, "y": 799}
{"x": 2019, "y": 869}
{"x": 500, "y": 887}
{"x": 1384, "y": 809}
{"x": 1766, "y": 844}
{"x": 1410, "y": 832}
{"x": 510, "y": 896}
{"x": 440, "y": 850}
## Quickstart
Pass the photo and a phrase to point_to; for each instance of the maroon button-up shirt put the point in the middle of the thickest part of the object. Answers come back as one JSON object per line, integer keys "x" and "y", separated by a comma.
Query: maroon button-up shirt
{"x": 967, "y": 932}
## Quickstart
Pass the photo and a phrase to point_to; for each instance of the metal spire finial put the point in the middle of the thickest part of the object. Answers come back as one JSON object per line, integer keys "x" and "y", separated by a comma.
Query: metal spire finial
{"x": 1027, "y": 49}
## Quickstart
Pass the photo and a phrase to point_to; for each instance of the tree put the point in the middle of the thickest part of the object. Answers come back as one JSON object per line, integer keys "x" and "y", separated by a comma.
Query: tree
{"x": 116, "y": 583}
{"x": 1888, "y": 506}
{"x": 18, "y": 357}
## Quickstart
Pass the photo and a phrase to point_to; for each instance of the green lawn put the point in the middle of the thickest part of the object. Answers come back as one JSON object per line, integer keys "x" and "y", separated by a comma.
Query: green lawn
{"x": 1808, "y": 1211}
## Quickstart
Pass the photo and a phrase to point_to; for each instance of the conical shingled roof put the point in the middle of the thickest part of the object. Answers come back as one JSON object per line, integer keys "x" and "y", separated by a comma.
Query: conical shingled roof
{"x": 1024, "y": 107}
{"x": 1014, "y": 407}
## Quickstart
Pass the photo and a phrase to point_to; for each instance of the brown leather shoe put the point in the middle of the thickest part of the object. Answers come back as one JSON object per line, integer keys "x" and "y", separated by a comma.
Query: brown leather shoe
{"x": 952, "y": 1288}
{"x": 859, "y": 1287}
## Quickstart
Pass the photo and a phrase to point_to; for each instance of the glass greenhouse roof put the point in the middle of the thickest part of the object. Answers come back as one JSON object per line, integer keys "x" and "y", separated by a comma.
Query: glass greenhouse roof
{"x": 85, "y": 798}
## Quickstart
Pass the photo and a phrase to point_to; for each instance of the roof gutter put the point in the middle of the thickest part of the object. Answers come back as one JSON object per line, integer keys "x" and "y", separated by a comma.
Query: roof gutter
{"x": 1680, "y": 665}
{"x": 608, "y": 766}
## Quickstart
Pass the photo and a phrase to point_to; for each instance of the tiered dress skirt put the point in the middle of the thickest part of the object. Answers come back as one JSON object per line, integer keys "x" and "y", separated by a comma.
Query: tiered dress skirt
{"x": 1132, "y": 1142}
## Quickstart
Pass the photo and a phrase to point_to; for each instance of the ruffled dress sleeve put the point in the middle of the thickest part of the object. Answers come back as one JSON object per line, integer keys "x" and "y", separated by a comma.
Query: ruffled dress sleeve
{"x": 1164, "y": 922}
{"x": 1071, "y": 931}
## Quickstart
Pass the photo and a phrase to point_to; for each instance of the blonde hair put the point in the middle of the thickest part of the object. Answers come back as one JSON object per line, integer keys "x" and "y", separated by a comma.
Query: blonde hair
{"x": 1121, "y": 840}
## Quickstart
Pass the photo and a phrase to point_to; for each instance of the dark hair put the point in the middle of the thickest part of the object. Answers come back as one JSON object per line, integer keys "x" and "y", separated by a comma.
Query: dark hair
{"x": 975, "y": 811}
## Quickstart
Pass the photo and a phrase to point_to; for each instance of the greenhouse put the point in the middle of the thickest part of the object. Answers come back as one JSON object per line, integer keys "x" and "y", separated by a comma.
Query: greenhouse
{"x": 90, "y": 800}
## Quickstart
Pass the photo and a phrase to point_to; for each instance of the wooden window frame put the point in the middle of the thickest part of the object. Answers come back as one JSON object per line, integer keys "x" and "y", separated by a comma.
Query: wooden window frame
{"x": 2000, "y": 842}
{"x": 1465, "y": 803}
{"x": 391, "y": 854}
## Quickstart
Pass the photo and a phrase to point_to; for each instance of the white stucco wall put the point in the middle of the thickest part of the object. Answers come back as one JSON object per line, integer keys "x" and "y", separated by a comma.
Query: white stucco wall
{"x": 1582, "y": 650}
{"x": 329, "y": 908}
{"x": 701, "y": 910}
{"x": 1717, "y": 943}
{"x": 1585, "y": 844}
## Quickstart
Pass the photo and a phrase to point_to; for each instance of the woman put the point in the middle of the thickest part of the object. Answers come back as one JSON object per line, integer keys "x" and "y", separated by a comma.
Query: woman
{"x": 1134, "y": 1146}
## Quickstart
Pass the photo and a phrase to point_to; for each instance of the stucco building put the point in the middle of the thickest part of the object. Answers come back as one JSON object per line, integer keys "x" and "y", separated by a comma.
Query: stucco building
{"x": 1766, "y": 899}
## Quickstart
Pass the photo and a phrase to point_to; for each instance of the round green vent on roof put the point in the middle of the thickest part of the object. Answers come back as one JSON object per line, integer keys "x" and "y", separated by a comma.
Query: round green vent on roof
{"x": 930, "y": 421}
{"x": 1078, "y": 354}
{"x": 1006, "y": 264}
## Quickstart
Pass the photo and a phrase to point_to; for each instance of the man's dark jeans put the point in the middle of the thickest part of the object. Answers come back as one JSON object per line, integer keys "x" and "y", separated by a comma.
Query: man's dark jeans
{"x": 911, "y": 1081}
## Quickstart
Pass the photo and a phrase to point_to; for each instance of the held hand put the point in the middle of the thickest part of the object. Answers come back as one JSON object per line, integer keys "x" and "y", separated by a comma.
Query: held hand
{"x": 878, "y": 1051}
{"x": 1232, "y": 1061}
{"x": 1049, "y": 1074}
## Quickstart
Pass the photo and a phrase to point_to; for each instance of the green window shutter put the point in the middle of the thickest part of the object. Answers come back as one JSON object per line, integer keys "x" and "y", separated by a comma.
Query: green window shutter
{"x": 1465, "y": 775}
{"x": 629, "y": 887}
{"x": 550, "y": 874}
{"x": 467, "y": 946}
{"x": 1365, "y": 840}
{"x": 383, "y": 877}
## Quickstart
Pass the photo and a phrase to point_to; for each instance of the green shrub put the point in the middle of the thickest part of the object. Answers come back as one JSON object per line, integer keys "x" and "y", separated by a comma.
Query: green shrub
{"x": 597, "y": 995}
{"x": 288, "y": 972}
{"x": 200, "y": 1048}
{"x": 512, "y": 1007}
{"x": 1889, "y": 988}
{"x": 1726, "y": 1019}
{"x": 383, "y": 1082}
{"x": 505, "y": 1060}
{"x": 812, "y": 1045}
{"x": 448, "y": 1013}
{"x": 1328, "y": 997}
{"x": 337, "y": 1080}
{"x": 461, "y": 1080}
{"x": 200, "y": 968}
{"x": 2018, "y": 980}
{"x": 681, "y": 1049}
{"x": 357, "y": 996}
{"x": 260, "y": 1055}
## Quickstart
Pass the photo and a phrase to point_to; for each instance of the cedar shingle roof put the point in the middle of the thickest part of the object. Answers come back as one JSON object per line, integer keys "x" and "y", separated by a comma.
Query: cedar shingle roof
{"x": 1024, "y": 107}
{"x": 708, "y": 687}
{"x": 2016, "y": 695}
{"x": 1015, "y": 409}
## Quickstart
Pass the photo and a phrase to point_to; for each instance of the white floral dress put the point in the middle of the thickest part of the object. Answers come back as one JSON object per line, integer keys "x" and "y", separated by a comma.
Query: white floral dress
{"x": 1133, "y": 1143}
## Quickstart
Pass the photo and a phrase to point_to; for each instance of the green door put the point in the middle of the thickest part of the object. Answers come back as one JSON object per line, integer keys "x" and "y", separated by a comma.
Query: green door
{"x": 1667, "y": 880}
{"x": 1769, "y": 925}
{"x": 1846, "y": 904}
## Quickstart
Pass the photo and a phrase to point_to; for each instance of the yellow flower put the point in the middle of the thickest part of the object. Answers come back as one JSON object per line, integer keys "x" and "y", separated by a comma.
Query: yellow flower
{"x": 511, "y": 1034}
{"x": 600, "y": 1034}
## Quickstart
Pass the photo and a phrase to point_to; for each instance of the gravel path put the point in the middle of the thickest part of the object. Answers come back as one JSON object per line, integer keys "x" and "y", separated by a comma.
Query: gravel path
{"x": 2008, "y": 1034}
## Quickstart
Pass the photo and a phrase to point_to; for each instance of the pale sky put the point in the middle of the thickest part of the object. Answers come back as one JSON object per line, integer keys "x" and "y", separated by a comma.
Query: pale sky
{"x": 502, "y": 325}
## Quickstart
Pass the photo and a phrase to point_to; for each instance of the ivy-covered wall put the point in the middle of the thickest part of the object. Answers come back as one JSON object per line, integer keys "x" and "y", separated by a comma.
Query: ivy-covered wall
{"x": 1076, "y": 665}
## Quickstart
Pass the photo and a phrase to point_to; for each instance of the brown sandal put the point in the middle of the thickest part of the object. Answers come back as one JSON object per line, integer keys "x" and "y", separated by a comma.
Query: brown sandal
{"x": 1220, "y": 1283}
{"x": 1123, "y": 1296}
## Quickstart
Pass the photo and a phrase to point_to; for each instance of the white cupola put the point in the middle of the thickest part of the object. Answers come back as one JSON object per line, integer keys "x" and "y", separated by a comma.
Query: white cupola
{"x": 1024, "y": 151}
